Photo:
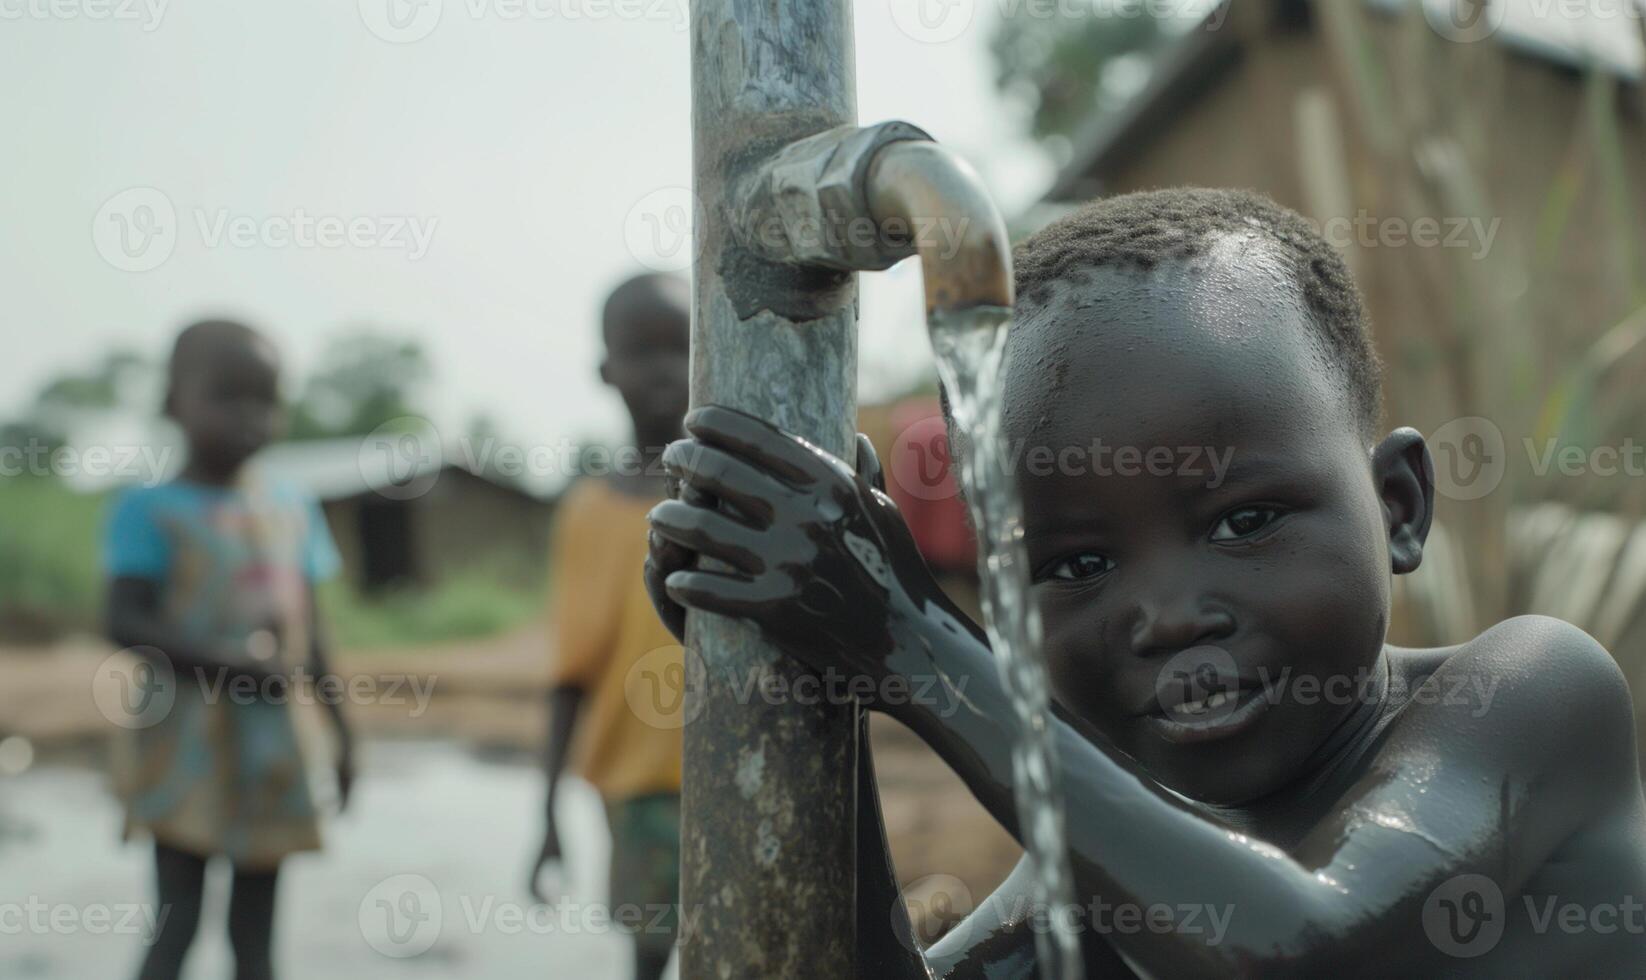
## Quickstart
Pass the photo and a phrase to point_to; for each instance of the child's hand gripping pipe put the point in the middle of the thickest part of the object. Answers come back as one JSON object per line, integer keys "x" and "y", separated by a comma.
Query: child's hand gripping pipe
{"x": 817, "y": 556}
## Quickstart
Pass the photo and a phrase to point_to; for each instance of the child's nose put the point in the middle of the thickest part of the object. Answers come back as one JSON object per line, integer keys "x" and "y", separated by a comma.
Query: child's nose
{"x": 1167, "y": 624}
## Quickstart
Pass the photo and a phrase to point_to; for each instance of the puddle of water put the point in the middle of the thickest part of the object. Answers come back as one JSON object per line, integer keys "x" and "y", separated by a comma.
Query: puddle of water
{"x": 971, "y": 357}
{"x": 422, "y": 812}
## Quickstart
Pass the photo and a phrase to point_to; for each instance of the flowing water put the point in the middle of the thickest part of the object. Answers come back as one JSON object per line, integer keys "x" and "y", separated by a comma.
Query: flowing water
{"x": 971, "y": 358}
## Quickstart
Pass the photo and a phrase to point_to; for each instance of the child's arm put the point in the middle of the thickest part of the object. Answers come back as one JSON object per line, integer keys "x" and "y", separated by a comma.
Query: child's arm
{"x": 326, "y": 679}
{"x": 563, "y": 704}
{"x": 132, "y": 618}
{"x": 885, "y": 938}
{"x": 819, "y": 564}
{"x": 1461, "y": 787}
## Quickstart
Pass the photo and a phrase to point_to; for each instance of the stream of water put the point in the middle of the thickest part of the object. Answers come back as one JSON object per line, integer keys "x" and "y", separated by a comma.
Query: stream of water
{"x": 971, "y": 358}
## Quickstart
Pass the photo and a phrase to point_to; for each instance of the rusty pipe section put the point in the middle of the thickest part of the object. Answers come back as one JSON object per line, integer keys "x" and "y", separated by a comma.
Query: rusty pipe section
{"x": 864, "y": 198}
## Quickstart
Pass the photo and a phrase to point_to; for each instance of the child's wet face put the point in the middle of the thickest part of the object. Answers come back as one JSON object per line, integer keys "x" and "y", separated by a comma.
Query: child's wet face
{"x": 1224, "y": 533}
{"x": 227, "y": 400}
{"x": 647, "y": 361}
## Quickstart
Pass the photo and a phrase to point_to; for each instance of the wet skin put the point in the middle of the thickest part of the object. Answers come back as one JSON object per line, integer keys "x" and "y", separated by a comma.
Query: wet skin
{"x": 1344, "y": 783}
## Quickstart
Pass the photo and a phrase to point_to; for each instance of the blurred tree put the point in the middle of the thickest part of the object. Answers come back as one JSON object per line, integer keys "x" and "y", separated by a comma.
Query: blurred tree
{"x": 363, "y": 380}
{"x": 123, "y": 381}
{"x": 1071, "y": 61}
{"x": 116, "y": 382}
{"x": 26, "y": 433}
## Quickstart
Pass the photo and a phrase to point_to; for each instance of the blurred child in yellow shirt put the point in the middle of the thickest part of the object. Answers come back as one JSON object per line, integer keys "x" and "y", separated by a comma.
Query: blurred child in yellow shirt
{"x": 617, "y": 675}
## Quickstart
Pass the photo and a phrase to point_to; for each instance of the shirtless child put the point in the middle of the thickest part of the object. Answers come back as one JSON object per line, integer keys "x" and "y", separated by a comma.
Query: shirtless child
{"x": 1237, "y": 737}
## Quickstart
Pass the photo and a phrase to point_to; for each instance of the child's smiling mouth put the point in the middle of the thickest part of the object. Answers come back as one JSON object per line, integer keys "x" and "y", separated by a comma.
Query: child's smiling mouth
{"x": 1212, "y": 701}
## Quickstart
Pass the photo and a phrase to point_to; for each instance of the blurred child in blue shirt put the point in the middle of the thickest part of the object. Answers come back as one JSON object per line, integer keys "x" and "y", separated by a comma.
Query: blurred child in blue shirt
{"x": 211, "y": 583}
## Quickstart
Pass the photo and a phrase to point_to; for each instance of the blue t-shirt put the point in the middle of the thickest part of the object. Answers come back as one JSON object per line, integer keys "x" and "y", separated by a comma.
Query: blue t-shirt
{"x": 208, "y": 770}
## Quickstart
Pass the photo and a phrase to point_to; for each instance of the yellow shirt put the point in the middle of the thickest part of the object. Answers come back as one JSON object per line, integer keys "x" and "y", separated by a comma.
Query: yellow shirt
{"x": 608, "y": 641}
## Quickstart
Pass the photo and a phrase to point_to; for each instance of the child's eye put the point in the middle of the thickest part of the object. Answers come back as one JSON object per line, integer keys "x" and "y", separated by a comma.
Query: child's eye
{"x": 1243, "y": 523}
{"x": 1087, "y": 564}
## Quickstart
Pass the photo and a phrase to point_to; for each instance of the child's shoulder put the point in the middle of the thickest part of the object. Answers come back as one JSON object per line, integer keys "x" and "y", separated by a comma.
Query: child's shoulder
{"x": 1528, "y": 642}
{"x": 1532, "y": 687}
{"x": 1547, "y": 657}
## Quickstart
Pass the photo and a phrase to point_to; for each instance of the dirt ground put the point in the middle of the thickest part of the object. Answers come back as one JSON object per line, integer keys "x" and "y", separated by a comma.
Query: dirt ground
{"x": 489, "y": 694}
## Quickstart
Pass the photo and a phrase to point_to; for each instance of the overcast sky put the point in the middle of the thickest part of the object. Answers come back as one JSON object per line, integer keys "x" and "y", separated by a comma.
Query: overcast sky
{"x": 477, "y": 182}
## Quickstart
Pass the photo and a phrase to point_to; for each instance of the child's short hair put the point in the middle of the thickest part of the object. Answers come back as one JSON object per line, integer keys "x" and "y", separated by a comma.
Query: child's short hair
{"x": 638, "y": 292}
{"x": 197, "y": 339}
{"x": 1142, "y": 229}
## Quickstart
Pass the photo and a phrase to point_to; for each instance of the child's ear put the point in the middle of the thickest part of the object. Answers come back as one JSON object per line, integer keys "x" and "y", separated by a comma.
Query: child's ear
{"x": 1404, "y": 475}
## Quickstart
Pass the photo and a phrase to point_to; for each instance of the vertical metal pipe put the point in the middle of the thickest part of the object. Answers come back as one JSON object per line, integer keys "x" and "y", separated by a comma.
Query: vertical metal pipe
{"x": 768, "y": 805}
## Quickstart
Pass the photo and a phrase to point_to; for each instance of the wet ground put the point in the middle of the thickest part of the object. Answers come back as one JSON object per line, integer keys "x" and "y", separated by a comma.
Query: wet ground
{"x": 423, "y": 877}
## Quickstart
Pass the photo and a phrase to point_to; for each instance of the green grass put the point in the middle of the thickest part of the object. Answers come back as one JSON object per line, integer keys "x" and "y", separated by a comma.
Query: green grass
{"x": 50, "y": 582}
{"x": 469, "y": 603}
